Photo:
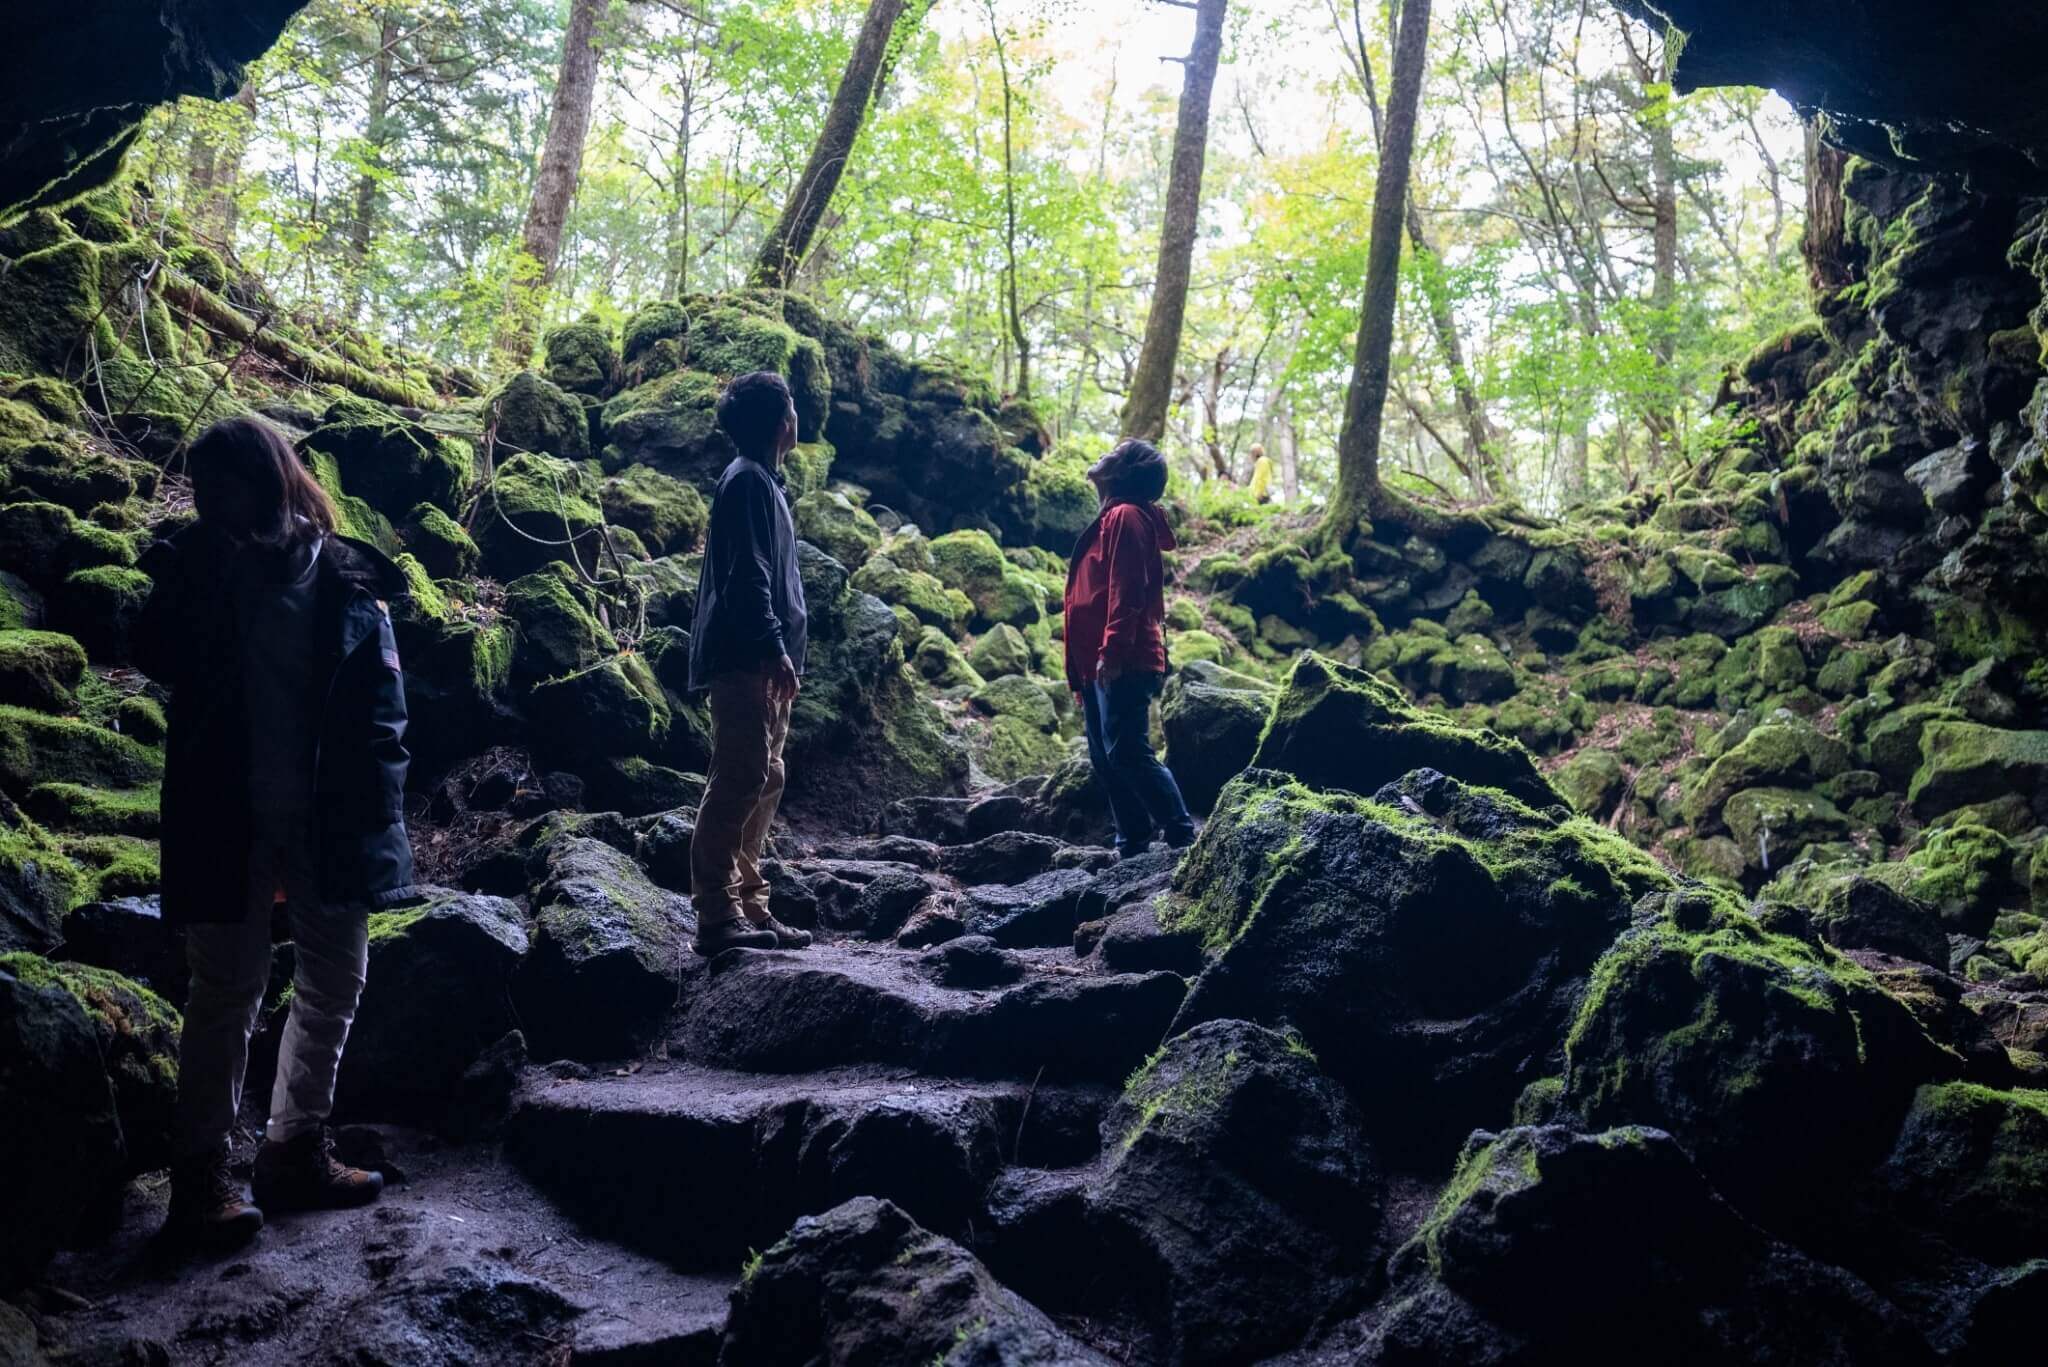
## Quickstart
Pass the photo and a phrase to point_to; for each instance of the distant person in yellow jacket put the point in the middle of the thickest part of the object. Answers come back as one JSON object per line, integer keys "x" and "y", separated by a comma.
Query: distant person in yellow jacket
{"x": 1262, "y": 475}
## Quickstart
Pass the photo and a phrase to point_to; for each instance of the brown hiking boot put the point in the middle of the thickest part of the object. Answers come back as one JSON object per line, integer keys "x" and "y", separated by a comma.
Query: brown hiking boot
{"x": 786, "y": 936}
{"x": 207, "y": 1205}
{"x": 733, "y": 932}
{"x": 302, "y": 1174}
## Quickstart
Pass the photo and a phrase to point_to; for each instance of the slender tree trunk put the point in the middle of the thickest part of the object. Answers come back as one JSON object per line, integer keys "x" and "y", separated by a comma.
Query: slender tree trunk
{"x": 1290, "y": 455}
{"x": 790, "y": 239}
{"x": 1017, "y": 334}
{"x": 362, "y": 226}
{"x": 214, "y": 170}
{"x": 1826, "y": 241}
{"x": 1152, "y": 386}
{"x": 554, "y": 187}
{"x": 675, "y": 276}
{"x": 1365, "y": 401}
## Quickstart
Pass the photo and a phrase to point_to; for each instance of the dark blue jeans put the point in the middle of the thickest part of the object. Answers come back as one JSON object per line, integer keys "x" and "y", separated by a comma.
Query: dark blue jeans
{"x": 1143, "y": 797}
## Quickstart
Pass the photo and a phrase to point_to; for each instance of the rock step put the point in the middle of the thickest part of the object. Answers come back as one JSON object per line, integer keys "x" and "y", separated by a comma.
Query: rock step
{"x": 837, "y": 1005}
{"x": 698, "y": 1165}
{"x": 463, "y": 1260}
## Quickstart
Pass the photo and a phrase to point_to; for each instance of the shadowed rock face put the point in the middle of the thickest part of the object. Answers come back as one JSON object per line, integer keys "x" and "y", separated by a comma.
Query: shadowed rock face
{"x": 76, "y": 79}
{"x": 1901, "y": 83}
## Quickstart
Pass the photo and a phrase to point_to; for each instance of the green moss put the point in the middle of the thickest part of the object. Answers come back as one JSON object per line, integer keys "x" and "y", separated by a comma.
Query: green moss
{"x": 40, "y": 669}
{"x": 390, "y": 462}
{"x": 532, "y": 414}
{"x": 35, "y": 748}
{"x": 973, "y": 563}
{"x": 42, "y": 542}
{"x": 140, "y": 717}
{"x": 76, "y": 807}
{"x": 581, "y": 356}
{"x": 559, "y": 634}
{"x": 929, "y": 600}
{"x": 1963, "y": 762}
{"x": 534, "y": 504}
{"x": 49, "y": 306}
{"x": 102, "y": 604}
{"x": 1170, "y": 1109}
{"x": 832, "y": 523}
{"x": 114, "y": 865}
{"x": 439, "y": 543}
{"x": 667, "y": 514}
{"x": 938, "y": 661}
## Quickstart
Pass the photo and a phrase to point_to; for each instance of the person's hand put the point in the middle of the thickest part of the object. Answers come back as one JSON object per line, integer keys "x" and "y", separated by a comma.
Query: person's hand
{"x": 1108, "y": 671}
{"x": 782, "y": 680}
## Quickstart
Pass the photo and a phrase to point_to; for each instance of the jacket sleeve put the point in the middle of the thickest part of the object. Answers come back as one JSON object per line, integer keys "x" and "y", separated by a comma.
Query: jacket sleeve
{"x": 388, "y": 721}
{"x": 153, "y": 642}
{"x": 751, "y": 630}
{"x": 1126, "y": 551}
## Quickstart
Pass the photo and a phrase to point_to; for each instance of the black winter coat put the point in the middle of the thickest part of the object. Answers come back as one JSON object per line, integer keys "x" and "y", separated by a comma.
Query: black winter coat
{"x": 750, "y": 596}
{"x": 186, "y": 641}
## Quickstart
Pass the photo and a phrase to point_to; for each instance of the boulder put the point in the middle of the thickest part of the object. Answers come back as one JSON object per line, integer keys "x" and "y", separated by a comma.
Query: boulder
{"x": 838, "y": 526}
{"x": 669, "y": 516}
{"x": 1865, "y": 913}
{"x": 1964, "y": 762}
{"x": 864, "y": 1285}
{"x": 1772, "y": 826}
{"x": 1338, "y": 727}
{"x": 1424, "y": 942}
{"x": 1783, "y": 752}
{"x": 389, "y": 462}
{"x": 1000, "y": 650}
{"x": 1039, "y": 911}
{"x": 1238, "y": 1200}
{"x": 534, "y": 415}
{"x": 38, "y": 883}
{"x": 58, "y": 1117}
{"x": 1005, "y": 857}
{"x": 1023, "y": 727}
{"x": 607, "y": 947}
{"x": 39, "y": 669}
{"x": 438, "y": 993}
{"x": 128, "y": 936}
{"x": 1212, "y": 718}
{"x": 1971, "y": 1163}
{"x": 38, "y": 748}
{"x": 581, "y": 356}
{"x": 1550, "y": 1245}
{"x": 973, "y": 563}
{"x": 1730, "y": 1037}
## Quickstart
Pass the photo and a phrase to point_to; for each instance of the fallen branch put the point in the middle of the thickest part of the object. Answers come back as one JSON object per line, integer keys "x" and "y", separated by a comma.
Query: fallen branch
{"x": 312, "y": 366}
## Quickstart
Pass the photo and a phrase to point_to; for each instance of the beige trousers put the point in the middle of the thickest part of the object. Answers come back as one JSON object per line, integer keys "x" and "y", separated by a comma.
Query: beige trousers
{"x": 743, "y": 790}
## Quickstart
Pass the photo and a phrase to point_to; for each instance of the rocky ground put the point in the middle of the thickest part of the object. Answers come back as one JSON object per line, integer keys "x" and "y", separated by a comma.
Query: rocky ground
{"x": 1607, "y": 934}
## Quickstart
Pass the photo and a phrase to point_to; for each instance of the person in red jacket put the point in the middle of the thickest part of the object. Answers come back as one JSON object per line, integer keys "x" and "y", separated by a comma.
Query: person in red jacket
{"x": 1116, "y": 651}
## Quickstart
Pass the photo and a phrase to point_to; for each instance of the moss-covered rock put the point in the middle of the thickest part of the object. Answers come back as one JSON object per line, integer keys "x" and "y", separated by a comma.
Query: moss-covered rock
{"x": 50, "y": 306}
{"x": 614, "y": 707}
{"x": 940, "y": 663}
{"x": 1212, "y": 718}
{"x": 999, "y": 651}
{"x": 440, "y": 543}
{"x": 43, "y": 542}
{"x": 96, "y": 811}
{"x": 1338, "y": 727}
{"x": 1423, "y": 941}
{"x": 930, "y": 601}
{"x": 1972, "y": 1163}
{"x": 836, "y": 525}
{"x": 1591, "y": 781}
{"x": 606, "y": 942}
{"x": 668, "y": 515}
{"x": 386, "y": 460}
{"x": 1702, "y": 1023}
{"x": 1785, "y": 751}
{"x": 1772, "y": 826}
{"x": 1023, "y": 729}
{"x": 534, "y": 510}
{"x": 114, "y": 866}
{"x": 532, "y": 414}
{"x": 100, "y": 606}
{"x": 37, "y": 748}
{"x": 559, "y": 633}
{"x": 1964, "y": 762}
{"x": 581, "y": 356}
{"x": 40, "y": 669}
{"x": 38, "y": 883}
{"x": 69, "y": 472}
{"x": 1001, "y": 592}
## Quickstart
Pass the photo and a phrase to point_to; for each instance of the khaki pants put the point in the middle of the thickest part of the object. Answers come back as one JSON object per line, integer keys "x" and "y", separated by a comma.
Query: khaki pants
{"x": 743, "y": 790}
{"x": 230, "y": 970}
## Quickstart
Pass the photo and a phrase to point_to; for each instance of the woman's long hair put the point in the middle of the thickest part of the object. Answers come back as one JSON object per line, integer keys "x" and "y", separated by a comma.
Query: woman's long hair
{"x": 246, "y": 477}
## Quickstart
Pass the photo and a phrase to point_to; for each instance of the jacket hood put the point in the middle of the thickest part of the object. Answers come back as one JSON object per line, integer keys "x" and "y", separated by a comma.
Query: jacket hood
{"x": 1162, "y": 530}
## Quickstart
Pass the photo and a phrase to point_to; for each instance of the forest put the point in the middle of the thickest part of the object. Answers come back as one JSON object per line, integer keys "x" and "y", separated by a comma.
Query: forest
{"x": 1567, "y": 484}
{"x": 1587, "y": 253}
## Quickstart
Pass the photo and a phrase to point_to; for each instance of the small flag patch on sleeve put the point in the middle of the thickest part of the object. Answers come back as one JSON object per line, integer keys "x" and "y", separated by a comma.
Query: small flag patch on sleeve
{"x": 391, "y": 657}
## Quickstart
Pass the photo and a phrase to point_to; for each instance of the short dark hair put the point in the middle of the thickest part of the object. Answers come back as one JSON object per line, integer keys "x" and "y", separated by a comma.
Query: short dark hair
{"x": 1135, "y": 470}
{"x": 289, "y": 501}
{"x": 752, "y": 409}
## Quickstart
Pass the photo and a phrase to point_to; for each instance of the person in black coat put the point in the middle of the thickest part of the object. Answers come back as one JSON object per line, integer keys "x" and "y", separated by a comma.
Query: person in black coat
{"x": 747, "y": 651}
{"x": 284, "y": 778}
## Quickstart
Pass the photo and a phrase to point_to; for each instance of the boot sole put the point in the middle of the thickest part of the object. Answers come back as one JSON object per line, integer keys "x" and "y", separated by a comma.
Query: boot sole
{"x": 277, "y": 1203}
{"x": 217, "y": 1236}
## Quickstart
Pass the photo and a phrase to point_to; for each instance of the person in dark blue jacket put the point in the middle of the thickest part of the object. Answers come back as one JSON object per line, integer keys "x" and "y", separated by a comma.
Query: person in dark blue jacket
{"x": 747, "y": 650}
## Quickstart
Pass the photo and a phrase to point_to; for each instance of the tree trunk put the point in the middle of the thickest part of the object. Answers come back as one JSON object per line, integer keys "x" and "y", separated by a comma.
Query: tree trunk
{"x": 554, "y": 187}
{"x": 1152, "y": 386}
{"x": 675, "y": 275}
{"x": 1365, "y": 400}
{"x": 1017, "y": 334}
{"x": 362, "y": 226}
{"x": 1826, "y": 242}
{"x": 790, "y": 239}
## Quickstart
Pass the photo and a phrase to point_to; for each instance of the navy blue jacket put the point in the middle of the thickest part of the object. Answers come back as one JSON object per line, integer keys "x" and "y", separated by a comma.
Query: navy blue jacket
{"x": 186, "y": 640}
{"x": 750, "y": 598}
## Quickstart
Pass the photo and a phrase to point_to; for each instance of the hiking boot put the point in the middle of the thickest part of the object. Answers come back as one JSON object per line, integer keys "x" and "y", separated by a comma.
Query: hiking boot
{"x": 303, "y": 1174}
{"x": 786, "y": 936}
{"x": 207, "y": 1205}
{"x": 735, "y": 932}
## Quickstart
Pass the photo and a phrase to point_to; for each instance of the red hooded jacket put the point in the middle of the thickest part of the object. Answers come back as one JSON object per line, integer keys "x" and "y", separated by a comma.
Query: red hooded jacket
{"x": 1116, "y": 594}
